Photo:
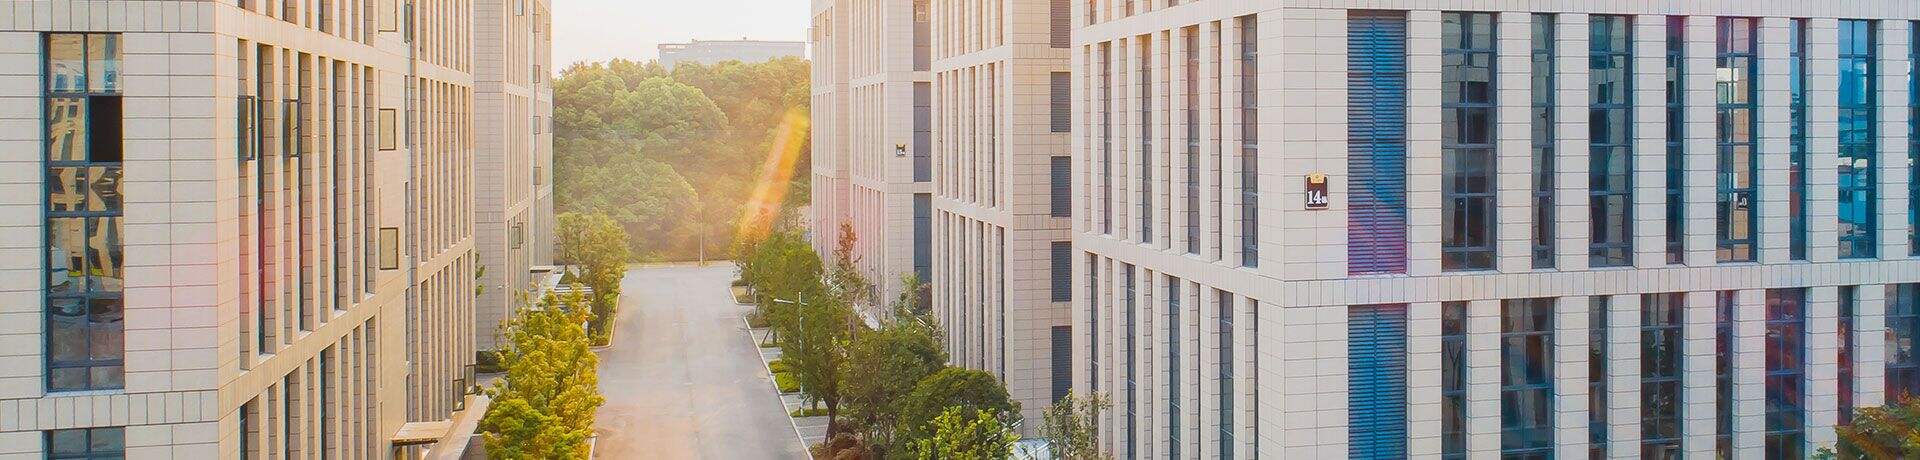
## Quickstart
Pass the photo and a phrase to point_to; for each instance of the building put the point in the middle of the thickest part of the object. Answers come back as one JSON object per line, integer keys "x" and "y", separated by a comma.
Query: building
{"x": 872, "y": 138}
{"x": 1002, "y": 245}
{"x": 1432, "y": 229}
{"x": 513, "y": 155}
{"x": 711, "y": 52}
{"x": 243, "y": 230}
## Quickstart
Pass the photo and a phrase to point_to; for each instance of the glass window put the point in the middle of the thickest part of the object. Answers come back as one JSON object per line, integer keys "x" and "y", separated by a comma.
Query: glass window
{"x": 1133, "y": 388}
{"x": 1377, "y": 147}
{"x": 1610, "y": 127}
{"x": 1106, "y": 138}
{"x": 1597, "y": 376}
{"x": 1858, "y": 144}
{"x": 87, "y": 444}
{"x": 1467, "y": 127}
{"x": 1174, "y": 367}
{"x": 1676, "y": 67}
{"x": 1226, "y": 376}
{"x": 1845, "y": 353}
{"x": 1903, "y": 323}
{"x": 1249, "y": 142}
{"x": 1542, "y": 119}
{"x": 1147, "y": 125}
{"x": 1737, "y": 159}
{"x": 1660, "y": 371}
{"x": 1786, "y": 371}
{"x": 1526, "y": 378}
{"x": 1453, "y": 380}
{"x": 1797, "y": 159}
{"x": 85, "y": 333}
{"x": 1192, "y": 51}
{"x": 1913, "y": 137}
{"x": 1723, "y": 372}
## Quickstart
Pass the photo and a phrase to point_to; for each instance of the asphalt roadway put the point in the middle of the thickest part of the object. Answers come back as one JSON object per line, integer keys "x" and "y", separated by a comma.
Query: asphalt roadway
{"x": 682, "y": 379}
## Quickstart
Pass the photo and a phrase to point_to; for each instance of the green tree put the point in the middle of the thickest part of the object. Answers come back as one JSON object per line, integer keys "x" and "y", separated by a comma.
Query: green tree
{"x": 968, "y": 389}
{"x": 1071, "y": 426}
{"x": 960, "y": 434}
{"x": 782, "y": 271}
{"x": 1887, "y": 432}
{"x": 596, "y": 250}
{"x": 816, "y": 352}
{"x": 882, "y": 367}
{"x": 543, "y": 408}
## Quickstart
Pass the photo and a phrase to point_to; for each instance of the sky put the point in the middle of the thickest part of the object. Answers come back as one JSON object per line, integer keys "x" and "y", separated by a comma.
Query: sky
{"x": 598, "y": 30}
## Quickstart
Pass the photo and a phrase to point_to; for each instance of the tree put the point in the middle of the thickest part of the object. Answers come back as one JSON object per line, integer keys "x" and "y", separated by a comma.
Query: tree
{"x": 845, "y": 279}
{"x": 783, "y": 271}
{"x": 968, "y": 389}
{"x": 817, "y": 351}
{"x": 544, "y": 406}
{"x": 1891, "y": 431}
{"x": 882, "y": 367}
{"x": 959, "y": 434}
{"x": 596, "y": 250}
{"x": 1071, "y": 426}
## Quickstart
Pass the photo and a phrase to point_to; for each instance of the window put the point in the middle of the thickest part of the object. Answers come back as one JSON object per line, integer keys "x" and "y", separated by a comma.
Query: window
{"x": 1661, "y": 364}
{"x": 1249, "y": 141}
{"x": 922, "y": 36}
{"x": 1226, "y": 376}
{"x": 922, "y": 131}
{"x": 1544, "y": 86}
{"x": 389, "y": 127}
{"x": 1597, "y": 407}
{"x": 1106, "y": 138}
{"x": 1723, "y": 372}
{"x": 1467, "y": 137}
{"x": 923, "y": 235}
{"x": 1145, "y": 103}
{"x": 1453, "y": 380}
{"x": 1676, "y": 139}
{"x": 1858, "y": 143}
{"x": 87, "y": 444}
{"x": 1060, "y": 95}
{"x": 1193, "y": 138}
{"x": 1526, "y": 378}
{"x": 1062, "y": 284}
{"x": 1377, "y": 150}
{"x": 1845, "y": 353}
{"x": 1174, "y": 366}
{"x": 1060, "y": 200}
{"x": 1610, "y": 162}
{"x": 1903, "y": 327}
{"x": 1797, "y": 159}
{"x": 84, "y": 204}
{"x": 1060, "y": 23}
{"x": 1913, "y": 137}
{"x": 1060, "y": 357}
{"x": 517, "y": 236}
{"x": 1786, "y": 371}
{"x": 1377, "y": 382}
{"x": 389, "y": 248}
{"x": 1094, "y": 300}
{"x": 1738, "y": 162}
{"x": 1133, "y": 388}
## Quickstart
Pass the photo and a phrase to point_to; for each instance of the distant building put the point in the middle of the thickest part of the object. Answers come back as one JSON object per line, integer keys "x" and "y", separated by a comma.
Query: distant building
{"x": 717, "y": 51}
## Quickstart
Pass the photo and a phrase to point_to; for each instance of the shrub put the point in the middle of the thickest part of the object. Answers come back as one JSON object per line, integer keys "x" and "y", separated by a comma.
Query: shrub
{"x": 786, "y": 382}
{"x": 777, "y": 366}
{"x": 809, "y": 412}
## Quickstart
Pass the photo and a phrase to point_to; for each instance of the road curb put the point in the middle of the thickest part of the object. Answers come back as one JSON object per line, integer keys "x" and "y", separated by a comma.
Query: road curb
{"x": 775, "y": 386}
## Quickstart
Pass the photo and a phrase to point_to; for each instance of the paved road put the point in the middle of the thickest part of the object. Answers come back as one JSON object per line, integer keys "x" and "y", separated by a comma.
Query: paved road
{"x": 682, "y": 380}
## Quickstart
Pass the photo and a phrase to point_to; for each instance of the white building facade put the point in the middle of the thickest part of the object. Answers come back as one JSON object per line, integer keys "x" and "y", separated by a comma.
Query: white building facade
{"x": 1001, "y": 242}
{"x": 712, "y": 52}
{"x": 513, "y": 154}
{"x": 872, "y": 136}
{"x": 236, "y": 229}
{"x": 1467, "y": 229}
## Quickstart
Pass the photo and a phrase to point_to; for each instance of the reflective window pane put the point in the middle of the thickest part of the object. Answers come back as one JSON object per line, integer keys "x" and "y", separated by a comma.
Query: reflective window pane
{"x": 66, "y": 63}
{"x": 66, "y": 129}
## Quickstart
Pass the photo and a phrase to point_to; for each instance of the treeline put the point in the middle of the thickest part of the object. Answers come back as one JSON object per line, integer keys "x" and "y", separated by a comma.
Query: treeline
{"x": 673, "y": 155}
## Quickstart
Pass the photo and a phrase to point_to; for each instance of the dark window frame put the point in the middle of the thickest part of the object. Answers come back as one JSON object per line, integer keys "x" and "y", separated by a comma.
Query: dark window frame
{"x": 94, "y": 306}
{"x": 1858, "y": 147}
{"x": 1545, "y": 86}
{"x": 1533, "y": 320}
{"x": 1469, "y": 162}
{"x": 1611, "y": 241}
{"x": 1736, "y": 189}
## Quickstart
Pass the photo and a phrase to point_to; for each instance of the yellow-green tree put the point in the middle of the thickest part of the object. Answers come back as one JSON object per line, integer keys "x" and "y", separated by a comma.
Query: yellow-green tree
{"x": 1072, "y": 427}
{"x": 962, "y": 435}
{"x": 543, "y": 408}
{"x": 595, "y": 247}
{"x": 1891, "y": 431}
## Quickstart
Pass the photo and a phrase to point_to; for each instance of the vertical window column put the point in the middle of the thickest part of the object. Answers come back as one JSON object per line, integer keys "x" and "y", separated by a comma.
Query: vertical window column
{"x": 1377, "y": 382}
{"x": 1192, "y": 106}
{"x": 85, "y": 332}
{"x": 1144, "y": 81}
{"x": 1610, "y": 158}
{"x": 1737, "y": 158}
{"x": 1249, "y": 141}
{"x": 1858, "y": 143}
{"x": 1526, "y": 378}
{"x": 1785, "y": 372}
{"x": 1676, "y": 167}
{"x": 1597, "y": 401}
{"x": 1376, "y": 142}
{"x": 1903, "y": 328}
{"x": 1542, "y": 120}
{"x": 1225, "y": 417}
{"x": 1797, "y": 157}
{"x": 1174, "y": 365}
{"x": 1661, "y": 368}
{"x": 1467, "y": 136}
{"x": 1453, "y": 380}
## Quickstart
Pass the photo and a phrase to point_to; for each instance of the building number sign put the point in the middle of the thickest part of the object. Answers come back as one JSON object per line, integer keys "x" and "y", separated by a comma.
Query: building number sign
{"x": 1317, "y": 191}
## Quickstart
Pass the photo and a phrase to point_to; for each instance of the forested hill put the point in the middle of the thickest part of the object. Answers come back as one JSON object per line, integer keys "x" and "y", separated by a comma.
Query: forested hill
{"x": 672, "y": 155}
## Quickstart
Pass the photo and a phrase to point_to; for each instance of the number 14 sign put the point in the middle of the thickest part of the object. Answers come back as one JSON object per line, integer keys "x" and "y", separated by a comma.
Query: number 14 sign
{"x": 1317, "y": 191}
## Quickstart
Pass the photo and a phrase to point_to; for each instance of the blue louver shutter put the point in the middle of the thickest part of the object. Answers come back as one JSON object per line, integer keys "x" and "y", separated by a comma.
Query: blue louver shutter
{"x": 1377, "y": 143}
{"x": 1062, "y": 360}
{"x": 1377, "y": 382}
{"x": 1061, "y": 187}
{"x": 1062, "y": 282}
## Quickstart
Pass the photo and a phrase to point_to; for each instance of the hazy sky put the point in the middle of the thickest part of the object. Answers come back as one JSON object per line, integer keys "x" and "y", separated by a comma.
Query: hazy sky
{"x": 598, "y": 30}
